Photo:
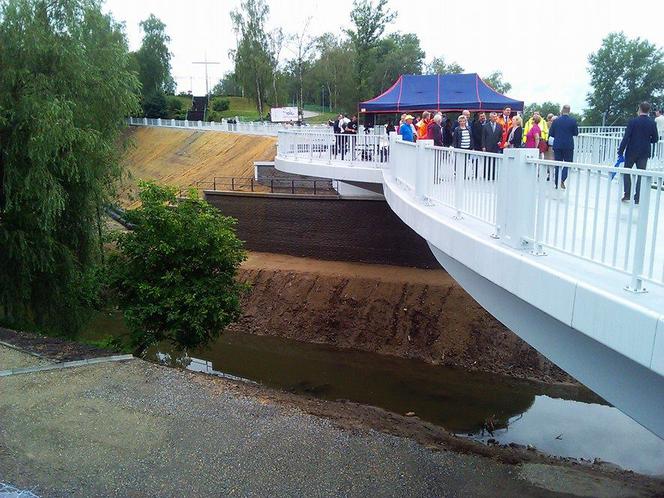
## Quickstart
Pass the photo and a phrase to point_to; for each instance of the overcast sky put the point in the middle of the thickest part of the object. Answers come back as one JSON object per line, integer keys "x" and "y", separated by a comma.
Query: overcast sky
{"x": 542, "y": 48}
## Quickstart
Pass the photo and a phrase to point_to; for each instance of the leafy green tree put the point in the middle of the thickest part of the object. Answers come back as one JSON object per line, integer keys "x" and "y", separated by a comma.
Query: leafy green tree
{"x": 545, "y": 108}
{"x": 495, "y": 81}
{"x": 330, "y": 70}
{"x": 65, "y": 91}
{"x": 252, "y": 58}
{"x": 396, "y": 54}
{"x": 369, "y": 21}
{"x": 154, "y": 58}
{"x": 228, "y": 86}
{"x": 439, "y": 66}
{"x": 623, "y": 73}
{"x": 155, "y": 105}
{"x": 175, "y": 273}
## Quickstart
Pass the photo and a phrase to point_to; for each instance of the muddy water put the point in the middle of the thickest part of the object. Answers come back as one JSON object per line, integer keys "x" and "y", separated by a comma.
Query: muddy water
{"x": 563, "y": 421}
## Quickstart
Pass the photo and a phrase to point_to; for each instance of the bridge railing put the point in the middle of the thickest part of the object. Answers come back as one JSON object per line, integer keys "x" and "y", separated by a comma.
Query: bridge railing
{"x": 247, "y": 128}
{"x": 516, "y": 194}
{"x": 362, "y": 149}
{"x": 603, "y": 150}
{"x": 602, "y": 130}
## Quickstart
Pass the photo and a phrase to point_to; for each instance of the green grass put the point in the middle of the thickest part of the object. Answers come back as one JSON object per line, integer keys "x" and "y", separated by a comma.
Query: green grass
{"x": 243, "y": 108}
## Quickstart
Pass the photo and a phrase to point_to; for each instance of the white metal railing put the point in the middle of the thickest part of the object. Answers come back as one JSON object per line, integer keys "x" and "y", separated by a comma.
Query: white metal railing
{"x": 247, "y": 128}
{"x": 519, "y": 196}
{"x": 322, "y": 146}
{"x": 602, "y": 130}
{"x": 603, "y": 150}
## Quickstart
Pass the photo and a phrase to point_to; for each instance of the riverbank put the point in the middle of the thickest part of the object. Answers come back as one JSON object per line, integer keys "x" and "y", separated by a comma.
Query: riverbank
{"x": 399, "y": 311}
{"x": 134, "y": 428}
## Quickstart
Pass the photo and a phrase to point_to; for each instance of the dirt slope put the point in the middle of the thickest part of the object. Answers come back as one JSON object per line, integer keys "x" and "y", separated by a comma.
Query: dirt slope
{"x": 405, "y": 312}
{"x": 182, "y": 157}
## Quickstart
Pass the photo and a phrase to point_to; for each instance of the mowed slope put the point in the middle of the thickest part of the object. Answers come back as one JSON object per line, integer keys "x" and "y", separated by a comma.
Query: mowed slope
{"x": 182, "y": 157}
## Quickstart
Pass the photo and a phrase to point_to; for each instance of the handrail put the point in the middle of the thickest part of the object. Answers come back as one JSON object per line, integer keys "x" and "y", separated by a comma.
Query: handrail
{"x": 521, "y": 198}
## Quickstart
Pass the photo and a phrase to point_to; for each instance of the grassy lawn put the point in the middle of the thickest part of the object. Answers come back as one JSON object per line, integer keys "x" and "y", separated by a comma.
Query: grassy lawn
{"x": 243, "y": 108}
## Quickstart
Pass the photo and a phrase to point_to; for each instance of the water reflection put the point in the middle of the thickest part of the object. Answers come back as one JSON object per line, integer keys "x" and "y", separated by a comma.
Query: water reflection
{"x": 586, "y": 430}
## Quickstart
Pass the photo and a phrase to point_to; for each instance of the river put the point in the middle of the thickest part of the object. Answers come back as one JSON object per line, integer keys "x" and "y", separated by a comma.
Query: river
{"x": 560, "y": 420}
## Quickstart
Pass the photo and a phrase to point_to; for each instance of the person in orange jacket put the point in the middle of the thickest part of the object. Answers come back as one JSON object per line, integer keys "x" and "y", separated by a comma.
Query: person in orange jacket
{"x": 423, "y": 125}
{"x": 505, "y": 121}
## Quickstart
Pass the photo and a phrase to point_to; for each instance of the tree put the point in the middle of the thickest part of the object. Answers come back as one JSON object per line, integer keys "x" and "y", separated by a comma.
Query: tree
{"x": 370, "y": 21}
{"x": 228, "y": 86}
{"x": 545, "y": 108}
{"x": 329, "y": 70}
{"x": 623, "y": 73}
{"x": 396, "y": 54}
{"x": 155, "y": 105}
{"x": 495, "y": 81}
{"x": 439, "y": 66}
{"x": 154, "y": 59}
{"x": 252, "y": 55}
{"x": 303, "y": 46}
{"x": 62, "y": 63}
{"x": 175, "y": 273}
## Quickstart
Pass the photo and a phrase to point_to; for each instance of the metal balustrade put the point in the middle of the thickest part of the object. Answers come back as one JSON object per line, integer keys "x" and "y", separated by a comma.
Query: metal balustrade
{"x": 363, "y": 149}
{"x": 514, "y": 194}
{"x": 246, "y": 127}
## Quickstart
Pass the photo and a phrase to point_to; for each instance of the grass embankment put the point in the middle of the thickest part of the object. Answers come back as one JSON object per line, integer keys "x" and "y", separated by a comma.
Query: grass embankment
{"x": 181, "y": 158}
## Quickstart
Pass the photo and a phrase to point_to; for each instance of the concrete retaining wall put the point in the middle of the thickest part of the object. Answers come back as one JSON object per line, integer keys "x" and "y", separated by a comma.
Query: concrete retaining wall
{"x": 332, "y": 228}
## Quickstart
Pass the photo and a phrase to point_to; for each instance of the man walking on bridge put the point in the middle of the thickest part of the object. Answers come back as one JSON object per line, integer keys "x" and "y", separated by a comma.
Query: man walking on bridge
{"x": 640, "y": 134}
{"x": 563, "y": 130}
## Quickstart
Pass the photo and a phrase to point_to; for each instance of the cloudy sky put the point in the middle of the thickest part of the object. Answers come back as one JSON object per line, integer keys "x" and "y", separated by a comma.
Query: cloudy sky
{"x": 541, "y": 47}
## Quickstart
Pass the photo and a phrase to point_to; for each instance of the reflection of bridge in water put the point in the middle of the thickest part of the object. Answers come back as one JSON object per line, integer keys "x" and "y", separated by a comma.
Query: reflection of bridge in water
{"x": 576, "y": 273}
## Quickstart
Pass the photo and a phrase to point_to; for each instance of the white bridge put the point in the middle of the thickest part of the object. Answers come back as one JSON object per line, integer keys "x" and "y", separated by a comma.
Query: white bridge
{"x": 576, "y": 273}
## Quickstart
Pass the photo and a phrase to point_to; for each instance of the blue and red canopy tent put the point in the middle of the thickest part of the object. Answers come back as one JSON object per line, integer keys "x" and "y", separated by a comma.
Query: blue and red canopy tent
{"x": 439, "y": 92}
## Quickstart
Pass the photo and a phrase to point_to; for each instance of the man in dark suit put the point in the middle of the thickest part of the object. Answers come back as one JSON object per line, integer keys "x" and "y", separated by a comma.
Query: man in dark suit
{"x": 563, "y": 130}
{"x": 492, "y": 134}
{"x": 640, "y": 134}
{"x": 477, "y": 129}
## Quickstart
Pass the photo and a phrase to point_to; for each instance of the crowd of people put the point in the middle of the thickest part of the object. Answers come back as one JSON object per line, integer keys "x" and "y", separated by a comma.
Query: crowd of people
{"x": 553, "y": 137}
{"x": 494, "y": 132}
{"x": 500, "y": 131}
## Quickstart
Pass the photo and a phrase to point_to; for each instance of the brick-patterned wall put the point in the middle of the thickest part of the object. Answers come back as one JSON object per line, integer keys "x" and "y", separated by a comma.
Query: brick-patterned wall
{"x": 325, "y": 228}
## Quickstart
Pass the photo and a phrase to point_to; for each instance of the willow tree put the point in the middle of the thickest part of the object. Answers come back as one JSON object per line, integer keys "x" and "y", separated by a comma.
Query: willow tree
{"x": 65, "y": 90}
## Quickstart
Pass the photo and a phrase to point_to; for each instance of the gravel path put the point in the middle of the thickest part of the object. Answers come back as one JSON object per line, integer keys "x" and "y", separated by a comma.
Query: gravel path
{"x": 11, "y": 358}
{"x": 137, "y": 429}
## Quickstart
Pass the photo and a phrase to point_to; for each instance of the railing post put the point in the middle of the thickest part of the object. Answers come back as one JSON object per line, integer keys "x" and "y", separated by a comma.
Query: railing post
{"x": 459, "y": 183}
{"x": 520, "y": 197}
{"x": 186, "y": 123}
{"x": 158, "y": 121}
{"x": 421, "y": 169}
{"x": 636, "y": 283}
{"x": 172, "y": 122}
{"x": 145, "y": 121}
{"x": 311, "y": 147}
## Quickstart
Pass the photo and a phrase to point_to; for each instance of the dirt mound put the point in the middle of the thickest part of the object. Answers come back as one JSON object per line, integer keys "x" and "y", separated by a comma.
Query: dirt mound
{"x": 183, "y": 157}
{"x": 406, "y": 312}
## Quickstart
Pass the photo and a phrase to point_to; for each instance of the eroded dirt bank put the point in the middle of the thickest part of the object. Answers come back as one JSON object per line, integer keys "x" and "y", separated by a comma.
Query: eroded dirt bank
{"x": 400, "y": 311}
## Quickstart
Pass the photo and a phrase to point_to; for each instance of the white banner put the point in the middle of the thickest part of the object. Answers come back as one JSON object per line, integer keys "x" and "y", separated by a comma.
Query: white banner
{"x": 283, "y": 114}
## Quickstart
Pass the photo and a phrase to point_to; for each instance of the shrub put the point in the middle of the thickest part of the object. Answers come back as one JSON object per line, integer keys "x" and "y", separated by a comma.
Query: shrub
{"x": 175, "y": 274}
{"x": 219, "y": 104}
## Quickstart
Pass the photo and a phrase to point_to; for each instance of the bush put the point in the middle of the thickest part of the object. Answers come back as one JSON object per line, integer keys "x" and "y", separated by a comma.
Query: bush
{"x": 155, "y": 106}
{"x": 220, "y": 105}
{"x": 175, "y": 273}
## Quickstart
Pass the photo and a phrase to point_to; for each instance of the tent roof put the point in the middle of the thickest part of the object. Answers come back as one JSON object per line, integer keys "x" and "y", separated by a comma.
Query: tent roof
{"x": 439, "y": 92}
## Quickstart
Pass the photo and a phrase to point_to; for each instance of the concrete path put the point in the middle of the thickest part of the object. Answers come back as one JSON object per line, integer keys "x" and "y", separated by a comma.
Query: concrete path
{"x": 136, "y": 429}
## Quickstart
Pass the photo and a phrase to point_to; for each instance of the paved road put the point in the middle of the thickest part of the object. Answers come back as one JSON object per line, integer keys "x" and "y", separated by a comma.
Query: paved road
{"x": 136, "y": 429}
